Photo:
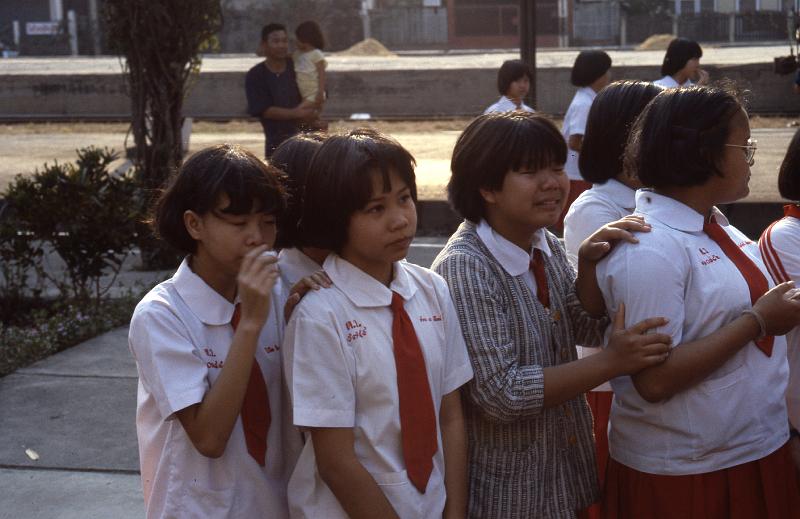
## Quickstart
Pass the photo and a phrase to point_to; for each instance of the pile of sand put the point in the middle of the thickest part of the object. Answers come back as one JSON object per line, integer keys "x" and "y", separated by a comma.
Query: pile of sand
{"x": 656, "y": 42}
{"x": 368, "y": 47}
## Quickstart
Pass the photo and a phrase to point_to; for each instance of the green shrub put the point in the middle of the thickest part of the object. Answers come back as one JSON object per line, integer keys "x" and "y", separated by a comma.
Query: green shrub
{"x": 88, "y": 216}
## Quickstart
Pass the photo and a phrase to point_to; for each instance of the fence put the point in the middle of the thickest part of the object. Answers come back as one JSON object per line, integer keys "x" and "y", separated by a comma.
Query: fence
{"x": 410, "y": 27}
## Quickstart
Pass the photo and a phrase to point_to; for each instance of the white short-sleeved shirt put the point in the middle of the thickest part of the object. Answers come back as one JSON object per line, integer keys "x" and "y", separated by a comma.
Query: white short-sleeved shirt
{"x": 780, "y": 248}
{"x": 294, "y": 265}
{"x": 595, "y": 207}
{"x": 575, "y": 124}
{"x": 505, "y": 104}
{"x": 735, "y": 415}
{"x": 180, "y": 334}
{"x": 669, "y": 82}
{"x": 339, "y": 364}
{"x": 305, "y": 68}
{"x": 514, "y": 260}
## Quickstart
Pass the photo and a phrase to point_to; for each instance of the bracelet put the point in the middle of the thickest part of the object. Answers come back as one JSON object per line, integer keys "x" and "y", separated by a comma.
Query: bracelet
{"x": 760, "y": 320}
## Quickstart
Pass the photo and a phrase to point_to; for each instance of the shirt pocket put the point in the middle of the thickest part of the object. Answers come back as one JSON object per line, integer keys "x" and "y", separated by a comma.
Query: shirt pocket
{"x": 402, "y": 495}
{"x": 200, "y": 502}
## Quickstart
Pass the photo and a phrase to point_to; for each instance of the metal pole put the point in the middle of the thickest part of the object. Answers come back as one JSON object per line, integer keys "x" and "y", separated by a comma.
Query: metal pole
{"x": 527, "y": 42}
{"x": 95, "y": 27}
{"x": 15, "y": 25}
{"x": 72, "y": 29}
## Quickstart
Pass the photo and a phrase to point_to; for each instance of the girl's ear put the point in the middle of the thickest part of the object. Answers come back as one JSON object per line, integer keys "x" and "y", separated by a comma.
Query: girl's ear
{"x": 487, "y": 195}
{"x": 193, "y": 224}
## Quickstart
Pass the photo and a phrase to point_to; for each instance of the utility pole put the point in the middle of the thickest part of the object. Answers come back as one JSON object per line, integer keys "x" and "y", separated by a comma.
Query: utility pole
{"x": 527, "y": 42}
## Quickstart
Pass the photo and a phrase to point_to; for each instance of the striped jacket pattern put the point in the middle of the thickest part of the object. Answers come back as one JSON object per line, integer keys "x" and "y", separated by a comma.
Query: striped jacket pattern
{"x": 524, "y": 461}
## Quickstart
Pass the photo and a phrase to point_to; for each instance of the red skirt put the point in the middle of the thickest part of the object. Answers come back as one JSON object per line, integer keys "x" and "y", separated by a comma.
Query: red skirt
{"x": 600, "y": 404}
{"x": 761, "y": 489}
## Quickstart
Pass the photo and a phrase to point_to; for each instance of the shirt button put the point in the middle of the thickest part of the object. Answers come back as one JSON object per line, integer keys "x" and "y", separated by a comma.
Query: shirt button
{"x": 568, "y": 411}
{"x": 573, "y": 439}
{"x": 556, "y": 316}
{"x": 564, "y": 354}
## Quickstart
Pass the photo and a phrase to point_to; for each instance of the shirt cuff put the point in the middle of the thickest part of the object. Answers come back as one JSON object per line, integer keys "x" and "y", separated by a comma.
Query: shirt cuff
{"x": 310, "y": 417}
{"x": 457, "y": 378}
{"x": 179, "y": 401}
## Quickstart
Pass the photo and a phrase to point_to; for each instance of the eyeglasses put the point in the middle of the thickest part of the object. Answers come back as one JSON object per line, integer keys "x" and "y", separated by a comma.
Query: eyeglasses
{"x": 750, "y": 149}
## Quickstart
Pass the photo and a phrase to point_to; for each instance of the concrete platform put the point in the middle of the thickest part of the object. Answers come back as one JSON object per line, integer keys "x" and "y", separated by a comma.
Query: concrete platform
{"x": 399, "y": 87}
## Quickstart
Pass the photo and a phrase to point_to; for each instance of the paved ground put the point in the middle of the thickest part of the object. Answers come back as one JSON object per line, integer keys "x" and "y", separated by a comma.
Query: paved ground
{"x": 76, "y": 410}
{"x": 25, "y": 150}
{"x": 547, "y": 58}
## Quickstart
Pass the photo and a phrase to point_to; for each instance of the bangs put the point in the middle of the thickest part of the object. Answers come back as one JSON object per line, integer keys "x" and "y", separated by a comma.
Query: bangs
{"x": 529, "y": 145}
{"x": 383, "y": 159}
{"x": 250, "y": 185}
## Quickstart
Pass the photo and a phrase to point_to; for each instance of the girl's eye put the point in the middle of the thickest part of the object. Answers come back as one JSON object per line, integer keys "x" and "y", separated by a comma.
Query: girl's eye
{"x": 375, "y": 209}
{"x": 405, "y": 198}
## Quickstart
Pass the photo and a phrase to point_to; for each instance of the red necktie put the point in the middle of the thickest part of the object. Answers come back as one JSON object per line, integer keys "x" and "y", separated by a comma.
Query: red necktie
{"x": 256, "y": 415}
{"x": 537, "y": 266}
{"x": 756, "y": 281}
{"x": 417, "y": 416}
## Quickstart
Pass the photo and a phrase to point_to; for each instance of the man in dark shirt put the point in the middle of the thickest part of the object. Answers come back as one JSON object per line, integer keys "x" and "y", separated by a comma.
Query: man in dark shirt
{"x": 272, "y": 93}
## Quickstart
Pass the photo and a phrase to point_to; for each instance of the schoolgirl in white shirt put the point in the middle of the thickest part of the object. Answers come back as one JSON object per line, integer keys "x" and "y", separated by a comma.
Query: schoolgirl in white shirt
{"x": 611, "y": 197}
{"x": 210, "y": 418}
{"x": 296, "y": 260}
{"x": 681, "y": 65}
{"x": 703, "y": 435}
{"x": 513, "y": 82}
{"x": 591, "y": 72}
{"x": 374, "y": 364}
{"x": 780, "y": 250}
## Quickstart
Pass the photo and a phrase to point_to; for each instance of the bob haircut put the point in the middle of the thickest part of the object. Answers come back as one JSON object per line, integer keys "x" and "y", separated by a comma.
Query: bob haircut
{"x": 250, "y": 184}
{"x": 293, "y": 157}
{"x": 511, "y": 71}
{"x": 789, "y": 175}
{"x": 679, "y": 51}
{"x": 270, "y": 28}
{"x": 490, "y": 147}
{"x": 339, "y": 183}
{"x": 679, "y": 138}
{"x": 309, "y": 32}
{"x": 589, "y": 66}
{"x": 610, "y": 119}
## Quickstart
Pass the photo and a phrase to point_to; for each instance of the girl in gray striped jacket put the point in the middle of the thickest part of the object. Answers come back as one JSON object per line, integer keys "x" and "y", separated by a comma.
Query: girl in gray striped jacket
{"x": 522, "y": 310}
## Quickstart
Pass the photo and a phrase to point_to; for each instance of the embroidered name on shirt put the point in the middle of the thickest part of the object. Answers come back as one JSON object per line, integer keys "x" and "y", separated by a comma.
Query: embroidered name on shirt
{"x": 431, "y": 319}
{"x": 216, "y": 364}
{"x": 272, "y": 349}
{"x": 711, "y": 257}
{"x": 355, "y": 330}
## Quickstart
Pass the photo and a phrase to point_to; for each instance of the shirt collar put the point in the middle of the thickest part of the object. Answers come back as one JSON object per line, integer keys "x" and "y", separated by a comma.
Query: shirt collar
{"x": 621, "y": 194}
{"x": 673, "y": 213}
{"x": 589, "y": 91}
{"x": 362, "y": 289}
{"x": 206, "y": 304}
{"x": 513, "y": 259}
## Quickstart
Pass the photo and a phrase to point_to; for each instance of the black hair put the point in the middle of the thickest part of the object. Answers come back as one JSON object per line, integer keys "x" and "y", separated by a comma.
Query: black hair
{"x": 270, "y": 28}
{"x": 610, "y": 119}
{"x": 589, "y": 66}
{"x": 511, "y": 71}
{"x": 250, "y": 184}
{"x": 679, "y": 138}
{"x": 339, "y": 183}
{"x": 789, "y": 174}
{"x": 491, "y": 146}
{"x": 679, "y": 52}
{"x": 293, "y": 157}
{"x": 309, "y": 32}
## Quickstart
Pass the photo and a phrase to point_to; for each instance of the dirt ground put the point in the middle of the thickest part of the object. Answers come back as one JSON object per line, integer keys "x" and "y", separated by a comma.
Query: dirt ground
{"x": 27, "y": 146}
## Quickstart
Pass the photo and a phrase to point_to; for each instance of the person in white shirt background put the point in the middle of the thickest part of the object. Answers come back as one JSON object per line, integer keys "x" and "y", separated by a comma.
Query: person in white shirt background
{"x": 611, "y": 197}
{"x": 703, "y": 435}
{"x": 780, "y": 249}
{"x": 681, "y": 65}
{"x": 293, "y": 158}
{"x": 214, "y": 435}
{"x": 513, "y": 83}
{"x": 591, "y": 72}
{"x": 374, "y": 364}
